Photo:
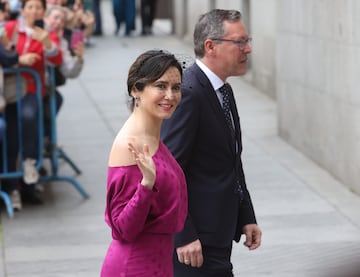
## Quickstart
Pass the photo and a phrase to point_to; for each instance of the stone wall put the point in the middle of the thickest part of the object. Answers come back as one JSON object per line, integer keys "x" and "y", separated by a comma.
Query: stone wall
{"x": 262, "y": 27}
{"x": 318, "y": 83}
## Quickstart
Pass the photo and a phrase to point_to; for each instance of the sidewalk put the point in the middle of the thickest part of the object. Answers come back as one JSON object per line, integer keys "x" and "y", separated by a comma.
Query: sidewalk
{"x": 310, "y": 222}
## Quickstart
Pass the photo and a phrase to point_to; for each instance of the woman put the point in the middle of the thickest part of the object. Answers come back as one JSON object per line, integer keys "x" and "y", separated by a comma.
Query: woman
{"x": 40, "y": 47}
{"x": 72, "y": 64}
{"x": 146, "y": 191}
{"x": 83, "y": 19}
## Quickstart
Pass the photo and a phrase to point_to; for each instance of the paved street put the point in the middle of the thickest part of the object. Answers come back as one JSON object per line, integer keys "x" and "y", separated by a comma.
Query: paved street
{"x": 310, "y": 221}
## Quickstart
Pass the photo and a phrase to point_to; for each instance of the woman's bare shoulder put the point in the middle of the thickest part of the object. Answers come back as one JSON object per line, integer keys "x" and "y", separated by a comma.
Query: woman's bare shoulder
{"x": 120, "y": 154}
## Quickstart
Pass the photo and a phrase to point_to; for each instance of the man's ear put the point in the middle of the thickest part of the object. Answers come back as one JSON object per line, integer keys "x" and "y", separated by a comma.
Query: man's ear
{"x": 209, "y": 45}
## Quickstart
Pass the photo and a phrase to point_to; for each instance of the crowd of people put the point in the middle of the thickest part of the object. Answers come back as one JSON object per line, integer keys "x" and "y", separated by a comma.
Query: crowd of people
{"x": 36, "y": 34}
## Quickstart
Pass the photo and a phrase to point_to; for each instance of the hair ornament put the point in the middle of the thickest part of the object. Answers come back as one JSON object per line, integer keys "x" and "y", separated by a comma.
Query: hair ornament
{"x": 185, "y": 60}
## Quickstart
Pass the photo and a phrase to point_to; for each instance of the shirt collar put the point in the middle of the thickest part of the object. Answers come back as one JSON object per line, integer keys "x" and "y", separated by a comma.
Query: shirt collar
{"x": 215, "y": 81}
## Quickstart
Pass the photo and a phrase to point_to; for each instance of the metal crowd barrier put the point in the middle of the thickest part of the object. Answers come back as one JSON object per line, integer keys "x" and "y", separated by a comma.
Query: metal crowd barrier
{"x": 54, "y": 154}
{"x": 19, "y": 173}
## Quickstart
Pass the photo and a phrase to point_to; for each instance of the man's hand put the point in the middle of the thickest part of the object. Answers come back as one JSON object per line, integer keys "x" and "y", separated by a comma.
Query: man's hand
{"x": 253, "y": 236}
{"x": 191, "y": 254}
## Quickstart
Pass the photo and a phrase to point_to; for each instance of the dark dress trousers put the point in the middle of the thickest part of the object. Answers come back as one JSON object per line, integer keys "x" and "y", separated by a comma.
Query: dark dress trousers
{"x": 200, "y": 140}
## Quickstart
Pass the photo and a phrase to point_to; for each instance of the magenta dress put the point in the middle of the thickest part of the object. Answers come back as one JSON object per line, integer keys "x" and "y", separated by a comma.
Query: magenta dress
{"x": 143, "y": 221}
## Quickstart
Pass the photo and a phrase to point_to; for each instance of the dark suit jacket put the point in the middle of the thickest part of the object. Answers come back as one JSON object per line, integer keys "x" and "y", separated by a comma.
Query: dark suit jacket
{"x": 201, "y": 141}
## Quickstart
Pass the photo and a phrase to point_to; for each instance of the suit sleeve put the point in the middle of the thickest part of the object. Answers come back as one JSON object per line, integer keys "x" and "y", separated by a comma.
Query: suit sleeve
{"x": 178, "y": 133}
{"x": 246, "y": 210}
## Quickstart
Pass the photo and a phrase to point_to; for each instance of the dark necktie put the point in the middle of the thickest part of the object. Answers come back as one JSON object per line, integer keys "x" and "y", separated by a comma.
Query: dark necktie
{"x": 225, "y": 91}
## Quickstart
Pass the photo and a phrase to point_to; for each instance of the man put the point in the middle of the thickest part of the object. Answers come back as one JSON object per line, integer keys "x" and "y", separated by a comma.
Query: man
{"x": 204, "y": 136}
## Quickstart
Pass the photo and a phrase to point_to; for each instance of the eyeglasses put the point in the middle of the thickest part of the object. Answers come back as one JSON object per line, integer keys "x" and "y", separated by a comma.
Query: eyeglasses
{"x": 241, "y": 42}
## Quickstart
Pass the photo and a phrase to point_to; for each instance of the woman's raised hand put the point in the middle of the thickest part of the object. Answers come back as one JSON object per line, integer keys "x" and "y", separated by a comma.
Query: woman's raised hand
{"x": 145, "y": 163}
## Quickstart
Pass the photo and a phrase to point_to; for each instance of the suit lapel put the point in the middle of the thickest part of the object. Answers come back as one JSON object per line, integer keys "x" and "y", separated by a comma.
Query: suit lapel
{"x": 208, "y": 90}
{"x": 213, "y": 100}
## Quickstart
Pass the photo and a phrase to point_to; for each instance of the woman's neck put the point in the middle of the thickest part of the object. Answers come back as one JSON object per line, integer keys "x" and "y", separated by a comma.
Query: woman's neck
{"x": 28, "y": 23}
{"x": 145, "y": 125}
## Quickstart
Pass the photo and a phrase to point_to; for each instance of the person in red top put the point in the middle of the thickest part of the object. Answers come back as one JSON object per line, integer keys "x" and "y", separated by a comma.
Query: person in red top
{"x": 33, "y": 39}
{"x": 40, "y": 47}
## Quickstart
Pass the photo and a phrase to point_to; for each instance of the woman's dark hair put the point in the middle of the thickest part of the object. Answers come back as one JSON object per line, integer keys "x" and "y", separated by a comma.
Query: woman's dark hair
{"x": 43, "y": 3}
{"x": 149, "y": 67}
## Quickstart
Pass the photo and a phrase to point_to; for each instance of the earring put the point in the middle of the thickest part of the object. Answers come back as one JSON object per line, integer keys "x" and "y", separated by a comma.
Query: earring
{"x": 137, "y": 101}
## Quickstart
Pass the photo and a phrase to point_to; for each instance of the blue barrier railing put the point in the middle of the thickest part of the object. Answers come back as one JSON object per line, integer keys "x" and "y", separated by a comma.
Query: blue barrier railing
{"x": 4, "y": 173}
{"x": 19, "y": 173}
{"x": 54, "y": 154}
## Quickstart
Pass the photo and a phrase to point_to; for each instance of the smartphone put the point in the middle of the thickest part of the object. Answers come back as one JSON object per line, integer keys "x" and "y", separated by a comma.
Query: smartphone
{"x": 39, "y": 23}
{"x": 76, "y": 37}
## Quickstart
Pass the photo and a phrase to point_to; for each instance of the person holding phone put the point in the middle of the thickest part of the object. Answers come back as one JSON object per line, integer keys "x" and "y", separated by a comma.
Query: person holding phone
{"x": 73, "y": 61}
{"x": 40, "y": 47}
{"x": 84, "y": 20}
{"x": 73, "y": 54}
